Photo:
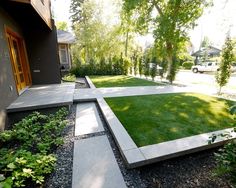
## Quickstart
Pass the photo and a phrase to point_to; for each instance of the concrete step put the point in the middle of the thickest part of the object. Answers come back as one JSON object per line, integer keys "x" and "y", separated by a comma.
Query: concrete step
{"x": 87, "y": 119}
{"x": 94, "y": 164}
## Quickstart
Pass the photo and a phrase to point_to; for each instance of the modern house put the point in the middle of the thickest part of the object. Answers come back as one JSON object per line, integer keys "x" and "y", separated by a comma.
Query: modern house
{"x": 28, "y": 49}
{"x": 65, "y": 39}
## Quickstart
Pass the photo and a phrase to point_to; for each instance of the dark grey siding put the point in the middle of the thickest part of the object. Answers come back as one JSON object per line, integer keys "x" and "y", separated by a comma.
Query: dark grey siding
{"x": 43, "y": 56}
{"x": 41, "y": 46}
{"x": 8, "y": 92}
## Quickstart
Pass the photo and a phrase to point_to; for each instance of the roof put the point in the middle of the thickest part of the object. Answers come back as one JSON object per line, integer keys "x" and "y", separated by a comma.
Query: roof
{"x": 210, "y": 50}
{"x": 65, "y": 37}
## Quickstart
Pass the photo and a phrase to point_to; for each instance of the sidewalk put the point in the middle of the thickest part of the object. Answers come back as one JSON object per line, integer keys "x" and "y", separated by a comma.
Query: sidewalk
{"x": 94, "y": 164}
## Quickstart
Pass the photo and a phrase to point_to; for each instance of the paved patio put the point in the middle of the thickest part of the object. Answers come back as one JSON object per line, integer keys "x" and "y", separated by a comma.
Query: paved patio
{"x": 44, "y": 96}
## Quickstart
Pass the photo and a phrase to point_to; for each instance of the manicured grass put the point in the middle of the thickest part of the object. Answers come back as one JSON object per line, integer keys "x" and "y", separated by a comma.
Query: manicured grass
{"x": 157, "y": 118}
{"x": 120, "y": 81}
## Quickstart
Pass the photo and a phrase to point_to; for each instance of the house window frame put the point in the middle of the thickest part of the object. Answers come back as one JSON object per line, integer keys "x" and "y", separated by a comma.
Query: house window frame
{"x": 66, "y": 54}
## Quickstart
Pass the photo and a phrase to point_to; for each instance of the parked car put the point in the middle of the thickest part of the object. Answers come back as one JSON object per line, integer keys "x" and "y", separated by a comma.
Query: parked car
{"x": 205, "y": 67}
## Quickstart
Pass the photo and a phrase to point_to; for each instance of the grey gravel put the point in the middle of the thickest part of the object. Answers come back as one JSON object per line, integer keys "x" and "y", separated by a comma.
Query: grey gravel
{"x": 62, "y": 176}
{"x": 80, "y": 85}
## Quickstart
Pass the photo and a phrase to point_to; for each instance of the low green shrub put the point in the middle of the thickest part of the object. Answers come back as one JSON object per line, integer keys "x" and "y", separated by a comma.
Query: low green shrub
{"x": 226, "y": 156}
{"x": 153, "y": 71}
{"x": 114, "y": 66}
{"x": 69, "y": 78}
{"x": 21, "y": 167}
{"x": 26, "y": 152}
{"x": 187, "y": 65}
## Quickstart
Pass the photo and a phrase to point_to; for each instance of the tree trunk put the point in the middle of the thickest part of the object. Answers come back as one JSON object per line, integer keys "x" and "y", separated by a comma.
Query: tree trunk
{"x": 126, "y": 43}
{"x": 169, "y": 59}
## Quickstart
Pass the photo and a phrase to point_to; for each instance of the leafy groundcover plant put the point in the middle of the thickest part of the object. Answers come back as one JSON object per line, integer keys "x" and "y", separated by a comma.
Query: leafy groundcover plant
{"x": 226, "y": 156}
{"x": 26, "y": 151}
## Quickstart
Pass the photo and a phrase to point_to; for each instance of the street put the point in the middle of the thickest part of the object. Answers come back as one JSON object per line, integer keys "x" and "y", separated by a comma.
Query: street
{"x": 204, "y": 79}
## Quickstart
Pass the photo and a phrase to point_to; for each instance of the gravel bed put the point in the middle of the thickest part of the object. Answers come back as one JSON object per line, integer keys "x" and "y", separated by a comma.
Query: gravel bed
{"x": 195, "y": 170}
{"x": 62, "y": 176}
{"x": 81, "y": 83}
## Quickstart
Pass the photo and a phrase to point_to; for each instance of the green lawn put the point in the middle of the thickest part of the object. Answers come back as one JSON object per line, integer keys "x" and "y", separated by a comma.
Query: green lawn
{"x": 157, "y": 118}
{"x": 120, "y": 81}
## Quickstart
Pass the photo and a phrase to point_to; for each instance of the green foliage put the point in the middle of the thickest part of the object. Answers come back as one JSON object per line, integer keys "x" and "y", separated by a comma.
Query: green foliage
{"x": 172, "y": 69}
{"x": 140, "y": 66}
{"x": 146, "y": 67}
{"x": 171, "y": 24}
{"x": 21, "y": 166}
{"x": 75, "y": 10}
{"x": 69, "y": 78}
{"x": 153, "y": 71}
{"x": 126, "y": 66}
{"x": 187, "y": 65}
{"x": 25, "y": 152}
{"x": 223, "y": 75}
{"x": 232, "y": 110}
{"x": 96, "y": 39}
{"x": 135, "y": 64}
{"x": 226, "y": 156}
{"x": 114, "y": 66}
{"x": 62, "y": 26}
{"x": 206, "y": 42}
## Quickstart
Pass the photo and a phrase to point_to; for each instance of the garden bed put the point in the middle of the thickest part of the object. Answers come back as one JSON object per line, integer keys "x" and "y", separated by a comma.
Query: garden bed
{"x": 159, "y": 118}
{"x": 120, "y": 81}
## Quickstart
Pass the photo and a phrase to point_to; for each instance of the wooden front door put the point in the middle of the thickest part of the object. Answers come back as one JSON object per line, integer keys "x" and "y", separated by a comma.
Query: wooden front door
{"x": 19, "y": 62}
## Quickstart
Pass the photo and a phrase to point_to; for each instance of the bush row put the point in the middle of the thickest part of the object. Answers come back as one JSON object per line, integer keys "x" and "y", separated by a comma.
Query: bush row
{"x": 26, "y": 150}
{"x": 114, "y": 66}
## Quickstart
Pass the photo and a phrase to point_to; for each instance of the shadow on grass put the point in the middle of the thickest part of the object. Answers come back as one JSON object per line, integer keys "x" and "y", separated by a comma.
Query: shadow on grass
{"x": 157, "y": 118}
{"x": 120, "y": 81}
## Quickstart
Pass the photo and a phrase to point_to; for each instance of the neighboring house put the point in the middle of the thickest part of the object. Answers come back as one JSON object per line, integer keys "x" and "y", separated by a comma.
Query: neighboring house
{"x": 65, "y": 39}
{"x": 209, "y": 51}
{"x": 28, "y": 49}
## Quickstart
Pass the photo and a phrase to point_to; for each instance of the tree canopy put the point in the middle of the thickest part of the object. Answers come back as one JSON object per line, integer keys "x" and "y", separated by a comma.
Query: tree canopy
{"x": 170, "y": 21}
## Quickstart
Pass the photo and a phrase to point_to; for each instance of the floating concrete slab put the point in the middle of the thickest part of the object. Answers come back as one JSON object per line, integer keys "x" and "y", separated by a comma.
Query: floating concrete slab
{"x": 121, "y": 136}
{"x": 43, "y": 96}
{"x": 87, "y": 119}
{"x": 86, "y": 94}
{"x": 183, "y": 146}
{"x": 90, "y": 83}
{"x": 94, "y": 165}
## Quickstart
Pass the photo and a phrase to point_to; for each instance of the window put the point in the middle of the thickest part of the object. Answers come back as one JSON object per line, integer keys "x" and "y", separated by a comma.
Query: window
{"x": 209, "y": 64}
{"x": 63, "y": 54}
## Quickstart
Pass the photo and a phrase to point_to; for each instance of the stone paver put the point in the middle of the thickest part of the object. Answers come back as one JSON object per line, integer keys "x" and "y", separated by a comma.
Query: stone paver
{"x": 183, "y": 146}
{"x": 85, "y": 94}
{"x": 94, "y": 165}
{"x": 44, "y": 96}
{"x": 90, "y": 83}
{"x": 121, "y": 136}
{"x": 87, "y": 119}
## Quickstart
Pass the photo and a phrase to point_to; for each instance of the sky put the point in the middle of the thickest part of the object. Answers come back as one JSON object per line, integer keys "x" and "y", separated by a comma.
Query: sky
{"x": 214, "y": 23}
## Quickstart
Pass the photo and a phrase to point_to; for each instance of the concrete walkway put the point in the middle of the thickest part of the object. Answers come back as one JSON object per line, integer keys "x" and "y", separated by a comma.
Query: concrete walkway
{"x": 87, "y": 119}
{"x": 89, "y": 94}
{"x": 94, "y": 164}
